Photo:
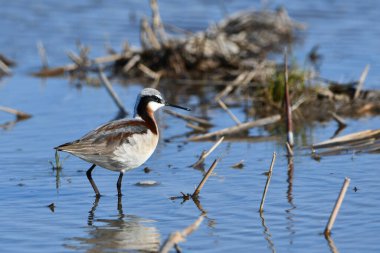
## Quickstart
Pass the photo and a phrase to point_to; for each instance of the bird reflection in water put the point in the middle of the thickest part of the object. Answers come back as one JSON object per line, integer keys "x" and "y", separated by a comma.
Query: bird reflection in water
{"x": 124, "y": 233}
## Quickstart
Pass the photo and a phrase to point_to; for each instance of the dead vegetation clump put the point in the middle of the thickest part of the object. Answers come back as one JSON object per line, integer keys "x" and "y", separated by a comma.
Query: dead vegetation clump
{"x": 233, "y": 57}
{"x": 237, "y": 44}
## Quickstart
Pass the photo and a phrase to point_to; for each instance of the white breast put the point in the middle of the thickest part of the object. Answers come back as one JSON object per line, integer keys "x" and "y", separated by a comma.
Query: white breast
{"x": 136, "y": 150}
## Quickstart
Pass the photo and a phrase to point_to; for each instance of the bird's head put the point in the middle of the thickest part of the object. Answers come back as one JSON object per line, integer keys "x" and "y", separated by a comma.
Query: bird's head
{"x": 151, "y": 99}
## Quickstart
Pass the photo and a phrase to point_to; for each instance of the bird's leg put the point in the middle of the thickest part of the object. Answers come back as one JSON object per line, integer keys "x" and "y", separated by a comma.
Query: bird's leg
{"x": 88, "y": 173}
{"x": 120, "y": 206}
{"x": 118, "y": 185}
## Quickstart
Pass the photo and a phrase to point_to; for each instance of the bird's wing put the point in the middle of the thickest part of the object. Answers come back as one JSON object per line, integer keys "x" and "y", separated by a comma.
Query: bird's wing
{"x": 104, "y": 139}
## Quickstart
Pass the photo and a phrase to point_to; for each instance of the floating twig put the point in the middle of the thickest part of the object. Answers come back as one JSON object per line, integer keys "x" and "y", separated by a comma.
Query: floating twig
{"x": 349, "y": 139}
{"x": 224, "y": 106}
{"x": 238, "y": 165}
{"x": 337, "y": 206}
{"x": 205, "y": 154}
{"x": 19, "y": 114}
{"x": 180, "y": 236}
{"x": 267, "y": 183}
{"x": 288, "y": 110}
{"x": 158, "y": 27}
{"x": 147, "y": 37}
{"x": 247, "y": 125}
{"x": 239, "y": 128}
{"x": 110, "y": 90}
{"x": 201, "y": 184}
{"x": 362, "y": 78}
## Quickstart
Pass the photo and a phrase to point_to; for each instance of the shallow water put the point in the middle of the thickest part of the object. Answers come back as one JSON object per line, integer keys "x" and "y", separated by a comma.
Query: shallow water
{"x": 298, "y": 203}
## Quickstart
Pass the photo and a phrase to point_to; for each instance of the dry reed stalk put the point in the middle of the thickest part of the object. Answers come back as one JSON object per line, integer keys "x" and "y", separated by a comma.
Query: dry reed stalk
{"x": 42, "y": 53}
{"x": 288, "y": 110}
{"x": 337, "y": 206}
{"x": 180, "y": 236}
{"x": 239, "y": 128}
{"x": 267, "y": 183}
{"x": 189, "y": 118}
{"x": 19, "y": 114}
{"x": 362, "y": 78}
{"x": 112, "y": 93}
{"x": 147, "y": 37}
{"x": 201, "y": 184}
{"x": 205, "y": 154}
{"x": 230, "y": 113}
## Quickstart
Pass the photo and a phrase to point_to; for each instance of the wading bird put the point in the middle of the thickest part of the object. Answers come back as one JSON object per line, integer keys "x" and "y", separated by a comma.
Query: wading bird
{"x": 124, "y": 144}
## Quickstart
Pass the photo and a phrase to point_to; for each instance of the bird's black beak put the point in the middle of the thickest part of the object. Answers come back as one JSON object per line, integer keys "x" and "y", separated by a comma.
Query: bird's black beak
{"x": 177, "y": 106}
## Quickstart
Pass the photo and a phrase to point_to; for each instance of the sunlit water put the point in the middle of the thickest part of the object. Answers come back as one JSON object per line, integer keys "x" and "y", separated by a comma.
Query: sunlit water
{"x": 298, "y": 203}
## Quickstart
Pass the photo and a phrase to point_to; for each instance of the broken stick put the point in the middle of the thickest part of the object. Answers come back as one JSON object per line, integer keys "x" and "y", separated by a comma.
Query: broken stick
{"x": 201, "y": 184}
{"x": 19, "y": 114}
{"x": 267, "y": 183}
{"x": 205, "y": 154}
{"x": 337, "y": 206}
{"x": 110, "y": 90}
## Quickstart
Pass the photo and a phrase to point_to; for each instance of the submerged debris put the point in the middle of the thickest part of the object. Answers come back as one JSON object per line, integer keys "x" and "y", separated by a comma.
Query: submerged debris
{"x": 147, "y": 183}
{"x": 51, "y": 207}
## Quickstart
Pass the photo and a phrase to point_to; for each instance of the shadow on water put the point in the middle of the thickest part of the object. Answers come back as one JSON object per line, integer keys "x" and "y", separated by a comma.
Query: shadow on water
{"x": 267, "y": 234}
{"x": 289, "y": 194}
{"x": 124, "y": 232}
{"x": 331, "y": 244}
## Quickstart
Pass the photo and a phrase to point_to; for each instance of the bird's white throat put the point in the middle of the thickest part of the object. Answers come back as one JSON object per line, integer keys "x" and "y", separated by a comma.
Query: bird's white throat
{"x": 154, "y": 106}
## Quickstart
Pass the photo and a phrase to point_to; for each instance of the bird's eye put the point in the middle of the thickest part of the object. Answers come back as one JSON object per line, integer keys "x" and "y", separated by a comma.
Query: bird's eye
{"x": 157, "y": 99}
